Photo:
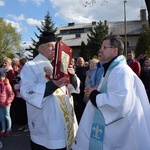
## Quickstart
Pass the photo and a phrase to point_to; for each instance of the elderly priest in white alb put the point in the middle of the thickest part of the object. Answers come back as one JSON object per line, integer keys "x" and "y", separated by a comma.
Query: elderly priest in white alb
{"x": 51, "y": 117}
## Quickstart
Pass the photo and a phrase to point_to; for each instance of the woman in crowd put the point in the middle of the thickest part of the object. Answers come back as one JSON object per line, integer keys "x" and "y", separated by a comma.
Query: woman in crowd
{"x": 145, "y": 76}
{"x": 21, "y": 112}
{"x": 7, "y": 65}
{"x": 92, "y": 67}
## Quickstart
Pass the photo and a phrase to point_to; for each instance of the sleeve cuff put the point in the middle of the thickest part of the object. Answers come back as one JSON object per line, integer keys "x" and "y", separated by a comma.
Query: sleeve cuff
{"x": 50, "y": 88}
{"x": 73, "y": 81}
{"x": 93, "y": 97}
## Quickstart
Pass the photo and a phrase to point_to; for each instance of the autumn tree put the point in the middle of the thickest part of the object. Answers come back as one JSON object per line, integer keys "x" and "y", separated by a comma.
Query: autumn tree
{"x": 46, "y": 25}
{"x": 95, "y": 38}
{"x": 9, "y": 39}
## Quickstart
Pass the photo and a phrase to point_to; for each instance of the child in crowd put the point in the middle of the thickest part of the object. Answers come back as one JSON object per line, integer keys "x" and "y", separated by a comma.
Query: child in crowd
{"x": 6, "y": 98}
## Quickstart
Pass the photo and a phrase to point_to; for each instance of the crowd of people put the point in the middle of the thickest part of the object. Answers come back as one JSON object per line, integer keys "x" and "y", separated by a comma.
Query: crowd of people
{"x": 105, "y": 105}
{"x": 141, "y": 66}
{"x": 12, "y": 105}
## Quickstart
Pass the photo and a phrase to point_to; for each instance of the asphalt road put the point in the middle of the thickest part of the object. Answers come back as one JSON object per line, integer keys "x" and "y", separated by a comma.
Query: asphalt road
{"x": 20, "y": 140}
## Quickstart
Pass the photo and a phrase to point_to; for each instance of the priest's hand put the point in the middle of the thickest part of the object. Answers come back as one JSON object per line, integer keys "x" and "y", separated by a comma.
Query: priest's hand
{"x": 88, "y": 90}
{"x": 71, "y": 70}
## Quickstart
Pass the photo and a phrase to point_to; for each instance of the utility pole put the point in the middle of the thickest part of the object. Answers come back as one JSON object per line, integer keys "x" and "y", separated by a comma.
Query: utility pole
{"x": 125, "y": 28}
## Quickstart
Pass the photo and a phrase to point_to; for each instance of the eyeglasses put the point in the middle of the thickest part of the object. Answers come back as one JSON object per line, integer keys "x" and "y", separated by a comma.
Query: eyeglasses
{"x": 104, "y": 47}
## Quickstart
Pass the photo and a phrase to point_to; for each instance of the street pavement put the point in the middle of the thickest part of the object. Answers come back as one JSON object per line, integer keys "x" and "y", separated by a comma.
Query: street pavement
{"x": 19, "y": 140}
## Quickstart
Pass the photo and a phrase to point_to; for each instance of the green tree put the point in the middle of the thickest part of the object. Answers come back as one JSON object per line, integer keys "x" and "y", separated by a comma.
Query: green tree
{"x": 83, "y": 51}
{"x": 9, "y": 39}
{"x": 46, "y": 25}
{"x": 143, "y": 44}
{"x": 95, "y": 38}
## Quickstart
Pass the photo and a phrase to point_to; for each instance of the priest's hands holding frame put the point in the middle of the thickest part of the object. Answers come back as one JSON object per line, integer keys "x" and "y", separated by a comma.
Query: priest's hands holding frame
{"x": 62, "y": 81}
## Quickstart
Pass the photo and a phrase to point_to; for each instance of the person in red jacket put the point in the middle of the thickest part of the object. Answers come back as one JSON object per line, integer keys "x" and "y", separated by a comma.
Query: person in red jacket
{"x": 133, "y": 63}
{"x": 6, "y": 98}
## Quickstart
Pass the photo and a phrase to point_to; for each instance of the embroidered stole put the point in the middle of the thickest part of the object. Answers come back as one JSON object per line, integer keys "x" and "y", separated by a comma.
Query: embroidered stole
{"x": 98, "y": 124}
{"x": 67, "y": 111}
{"x": 65, "y": 103}
{"x": 97, "y": 129}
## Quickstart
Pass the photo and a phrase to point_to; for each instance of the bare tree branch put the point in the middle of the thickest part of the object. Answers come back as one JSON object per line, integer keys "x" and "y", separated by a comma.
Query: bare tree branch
{"x": 92, "y": 2}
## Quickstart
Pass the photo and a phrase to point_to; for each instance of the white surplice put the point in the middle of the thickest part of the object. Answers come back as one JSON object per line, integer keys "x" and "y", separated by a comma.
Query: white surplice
{"x": 126, "y": 110}
{"x": 46, "y": 116}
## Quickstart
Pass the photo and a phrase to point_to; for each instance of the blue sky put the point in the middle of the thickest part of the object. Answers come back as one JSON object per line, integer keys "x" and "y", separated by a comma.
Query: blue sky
{"x": 25, "y": 15}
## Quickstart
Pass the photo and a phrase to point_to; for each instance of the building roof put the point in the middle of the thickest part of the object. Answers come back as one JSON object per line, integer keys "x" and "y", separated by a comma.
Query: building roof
{"x": 72, "y": 40}
{"x": 75, "y": 26}
{"x": 132, "y": 27}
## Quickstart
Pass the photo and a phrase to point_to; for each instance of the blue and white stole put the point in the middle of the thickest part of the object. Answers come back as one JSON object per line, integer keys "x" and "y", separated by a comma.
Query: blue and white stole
{"x": 98, "y": 124}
